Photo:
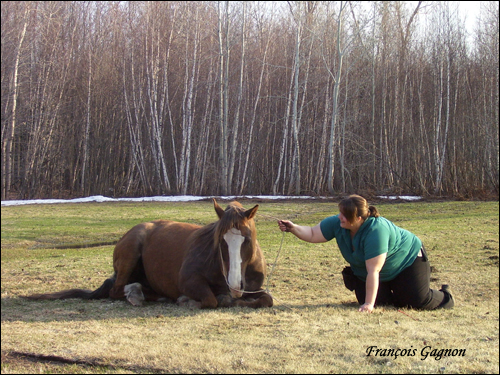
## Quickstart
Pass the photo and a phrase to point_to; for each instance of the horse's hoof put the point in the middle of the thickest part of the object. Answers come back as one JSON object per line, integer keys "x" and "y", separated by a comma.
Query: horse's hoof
{"x": 194, "y": 305}
{"x": 182, "y": 301}
{"x": 263, "y": 301}
{"x": 164, "y": 299}
{"x": 133, "y": 293}
{"x": 224, "y": 300}
{"x": 185, "y": 301}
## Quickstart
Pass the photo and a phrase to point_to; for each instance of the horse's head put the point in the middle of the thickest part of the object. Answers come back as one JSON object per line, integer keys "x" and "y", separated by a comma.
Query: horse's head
{"x": 236, "y": 237}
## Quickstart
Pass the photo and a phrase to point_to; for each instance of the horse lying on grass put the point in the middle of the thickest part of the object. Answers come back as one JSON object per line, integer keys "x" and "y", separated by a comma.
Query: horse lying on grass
{"x": 219, "y": 264}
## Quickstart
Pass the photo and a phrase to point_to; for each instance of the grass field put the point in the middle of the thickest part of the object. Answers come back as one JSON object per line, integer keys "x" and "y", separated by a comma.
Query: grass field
{"x": 314, "y": 326}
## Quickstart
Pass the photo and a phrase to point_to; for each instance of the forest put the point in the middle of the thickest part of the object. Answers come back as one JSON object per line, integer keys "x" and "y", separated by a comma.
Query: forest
{"x": 144, "y": 98}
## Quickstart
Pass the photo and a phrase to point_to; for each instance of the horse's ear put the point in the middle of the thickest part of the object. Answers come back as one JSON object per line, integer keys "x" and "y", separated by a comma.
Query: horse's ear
{"x": 218, "y": 209}
{"x": 251, "y": 212}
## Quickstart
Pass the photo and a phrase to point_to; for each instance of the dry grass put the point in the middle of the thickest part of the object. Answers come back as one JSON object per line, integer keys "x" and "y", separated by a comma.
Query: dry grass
{"x": 313, "y": 328}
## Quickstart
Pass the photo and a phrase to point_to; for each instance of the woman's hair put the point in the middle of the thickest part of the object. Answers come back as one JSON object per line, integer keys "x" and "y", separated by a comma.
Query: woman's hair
{"x": 354, "y": 206}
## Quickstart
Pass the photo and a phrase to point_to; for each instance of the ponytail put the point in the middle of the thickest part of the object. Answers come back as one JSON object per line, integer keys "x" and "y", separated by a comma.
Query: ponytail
{"x": 373, "y": 211}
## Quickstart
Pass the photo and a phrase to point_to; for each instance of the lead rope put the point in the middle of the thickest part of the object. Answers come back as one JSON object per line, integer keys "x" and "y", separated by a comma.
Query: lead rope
{"x": 277, "y": 255}
{"x": 274, "y": 264}
{"x": 270, "y": 274}
{"x": 224, "y": 272}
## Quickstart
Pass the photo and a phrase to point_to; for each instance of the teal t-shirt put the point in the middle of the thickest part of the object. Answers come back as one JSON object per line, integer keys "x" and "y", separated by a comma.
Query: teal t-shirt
{"x": 376, "y": 236}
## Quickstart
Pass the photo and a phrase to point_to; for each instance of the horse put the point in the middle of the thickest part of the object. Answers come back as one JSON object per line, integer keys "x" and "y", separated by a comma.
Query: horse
{"x": 217, "y": 265}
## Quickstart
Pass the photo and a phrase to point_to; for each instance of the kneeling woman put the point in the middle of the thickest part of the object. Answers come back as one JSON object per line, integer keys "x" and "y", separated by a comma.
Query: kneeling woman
{"x": 388, "y": 264}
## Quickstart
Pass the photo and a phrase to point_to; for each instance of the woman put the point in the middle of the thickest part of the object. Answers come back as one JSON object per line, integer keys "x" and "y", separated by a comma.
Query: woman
{"x": 388, "y": 264}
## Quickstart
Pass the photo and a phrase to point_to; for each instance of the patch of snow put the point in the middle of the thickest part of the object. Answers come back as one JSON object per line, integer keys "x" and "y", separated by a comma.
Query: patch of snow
{"x": 173, "y": 198}
{"x": 176, "y": 198}
{"x": 404, "y": 197}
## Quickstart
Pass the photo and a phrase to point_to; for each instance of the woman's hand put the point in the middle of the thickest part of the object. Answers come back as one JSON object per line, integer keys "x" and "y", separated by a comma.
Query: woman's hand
{"x": 305, "y": 233}
{"x": 285, "y": 225}
{"x": 366, "y": 307}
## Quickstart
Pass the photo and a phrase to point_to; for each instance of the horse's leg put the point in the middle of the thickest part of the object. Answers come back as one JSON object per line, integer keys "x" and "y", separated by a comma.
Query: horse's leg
{"x": 185, "y": 301}
{"x": 125, "y": 260}
{"x": 151, "y": 295}
{"x": 225, "y": 300}
{"x": 197, "y": 290}
{"x": 255, "y": 300}
{"x": 137, "y": 293}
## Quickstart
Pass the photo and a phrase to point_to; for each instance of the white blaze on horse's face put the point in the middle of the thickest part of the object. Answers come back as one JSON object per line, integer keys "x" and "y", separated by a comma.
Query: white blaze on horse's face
{"x": 234, "y": 240}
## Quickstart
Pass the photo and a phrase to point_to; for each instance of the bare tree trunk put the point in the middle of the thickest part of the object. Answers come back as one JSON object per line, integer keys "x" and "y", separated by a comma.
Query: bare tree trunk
{"x": 454, "y": 171}
{"x": 437, "y": 129}
{"x": 252, "y": 122}
{"x": 202, "y": 151}
{"x": 167, "y": 94}
{"x": 424, "y": 167}
{"x": 284, "y": 141}
{"x": 9, "y": 134}
{"x": 320, "y": 179}
{"x": 343, "y": 168}
{"x": 133, "y": 124}
{"x": 399, "y": 122}
{"x": 155, "y": 99}
{"x": 188, "y": 111}
{"x": 336, "y": 87}
{"x": 223, "y": 30}
{"x": 295, "y": 126}
{"x": 234, "y": 141}
{"x": 87, "y": 124}
{"x": 441, "y": 144}
{"x": 373, "y": 86}
{"x": 303, "y": 14}
{"x": 48, "y": 87}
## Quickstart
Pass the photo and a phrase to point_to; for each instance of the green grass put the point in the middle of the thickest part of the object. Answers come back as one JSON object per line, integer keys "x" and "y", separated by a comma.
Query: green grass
{"x": 314, "y": 326}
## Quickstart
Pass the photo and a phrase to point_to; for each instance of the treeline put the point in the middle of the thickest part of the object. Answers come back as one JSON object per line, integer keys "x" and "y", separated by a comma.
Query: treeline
{"x": 299, "y": 97}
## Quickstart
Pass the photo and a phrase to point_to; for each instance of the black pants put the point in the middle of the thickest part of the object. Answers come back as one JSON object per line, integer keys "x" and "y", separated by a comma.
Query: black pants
{"x": 411, "y": 288}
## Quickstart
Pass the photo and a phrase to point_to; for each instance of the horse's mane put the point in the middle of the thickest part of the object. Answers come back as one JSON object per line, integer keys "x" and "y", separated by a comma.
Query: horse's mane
{"x": 233, "y": 215}
{"x": 208, "y": 238}
{"x": 201, "y": 243}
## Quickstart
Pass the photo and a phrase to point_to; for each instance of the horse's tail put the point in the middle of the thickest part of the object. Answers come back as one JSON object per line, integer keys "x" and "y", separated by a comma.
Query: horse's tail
{"x": 99, "y": 293}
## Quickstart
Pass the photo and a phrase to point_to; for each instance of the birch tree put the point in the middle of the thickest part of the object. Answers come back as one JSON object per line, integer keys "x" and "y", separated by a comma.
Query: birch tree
{"x": 486, "y": 37}
{"x": 239, "y": 99}
{"x": 11, "y": 106}
{"x": 47, "y": 89}
{"x": 243, "y": 179}
{"x": 187, "y": 104}
{"x": 133, "y": 103}
{"x": 223, "y": 31}
{"x": 335, "y": 73}
{"x": 298, "y": 17}
{"x": 443, "y": 54}
{"x": 156, "y": 90}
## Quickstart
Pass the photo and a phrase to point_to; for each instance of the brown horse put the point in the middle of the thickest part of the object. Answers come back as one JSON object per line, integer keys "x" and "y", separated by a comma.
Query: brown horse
{"x": 220, "y": 264}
